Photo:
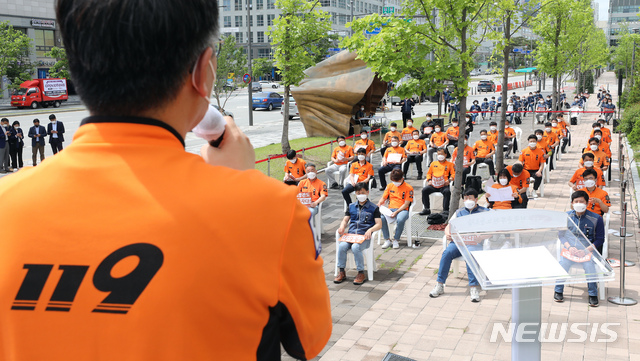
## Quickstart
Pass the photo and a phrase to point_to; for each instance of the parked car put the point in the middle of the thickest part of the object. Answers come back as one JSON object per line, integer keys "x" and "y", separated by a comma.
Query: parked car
{"x": 396, "y": 100}
{"x": 269, "y": 84}
{"x": 474, "y": 73}
{"x": 229, "y": 86}
{"x": 256, "y": 86}
{"x": 293, "y": 108}
{"x": 222, "y": 111}
{"x": 486, "y": 86}
{"x": 267, "y": 100}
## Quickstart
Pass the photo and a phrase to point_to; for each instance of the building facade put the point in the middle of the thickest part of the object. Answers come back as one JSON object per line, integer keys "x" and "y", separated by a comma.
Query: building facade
{"x": 623, "y": 17}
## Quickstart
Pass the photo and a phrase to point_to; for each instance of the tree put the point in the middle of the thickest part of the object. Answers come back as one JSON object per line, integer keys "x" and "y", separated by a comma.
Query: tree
{"x": 439, "y": 37}
{"x": 19, "y": 71}
{"x": 231, "y": 60}
{"x": 14, "y": 47}
{"x": 261, "y": 66}
{"x": 61, "y": 68}
{"x": 295, "y": 35}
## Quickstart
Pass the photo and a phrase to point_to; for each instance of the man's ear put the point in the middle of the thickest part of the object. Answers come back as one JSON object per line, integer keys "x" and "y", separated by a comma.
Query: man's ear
{"x": 202, "y": 78}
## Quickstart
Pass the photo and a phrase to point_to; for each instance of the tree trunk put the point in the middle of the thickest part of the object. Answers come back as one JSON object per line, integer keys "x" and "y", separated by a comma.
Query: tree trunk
{"x": 285, "y": 122}
{"x": 505, "y": 82}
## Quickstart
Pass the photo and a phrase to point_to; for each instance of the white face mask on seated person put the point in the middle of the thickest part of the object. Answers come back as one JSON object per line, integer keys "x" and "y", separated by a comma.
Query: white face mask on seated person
{"x": 588, "y": 163}
{"x": 361, "y": 157}
{"x": 469, "y": 204}
{"x": 342, "y": 143}
{"x": 311, "y": 175}
{"x": 363, "y": 136}
{"x": 361, "y": 197}
{"x": 409, "y": 124}
{"x": 441, "y": 157}
{"x": 394, "y": 144}
{"x": 397, "y": 184}
{"x": 532, "y": 145}
{"x": 590, "y": 183}
{"x": 593, "y": 147}
{"x": 579, "y": 207}
{"x": 416, "y": 137}
{"x": 503, "y": 181}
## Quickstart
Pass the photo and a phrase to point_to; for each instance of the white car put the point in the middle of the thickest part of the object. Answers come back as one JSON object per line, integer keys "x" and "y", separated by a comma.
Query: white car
{"x": 269, "y": 84}
{"x": 293, "y": 108}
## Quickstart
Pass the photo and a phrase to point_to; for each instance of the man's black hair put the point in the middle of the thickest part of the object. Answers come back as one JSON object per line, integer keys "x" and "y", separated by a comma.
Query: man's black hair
{"x": 340, "y": 137}
{"x": 594, "y": 139}
{"x": 361, "y": 151}
{"x": 291, "y": 154}
{"x": 126, "y": 57}
{"x": 36, "y": 120}
{"x": 532, "y": 136}
{"x": 4, "y": 120}
{"x": 539, "y": 131}
{"x": 580, "y": 194}
{"x": 517, "y": 168}
{"x": 590, "y": 172}
{"x": 493, "y": 123}
{"x": 311, "y": 165}
{"x": 360, "y": 186}
{"x": 588, "y": 155}
{"x": 470, "y": 192}
{"x": 52, "y": 117}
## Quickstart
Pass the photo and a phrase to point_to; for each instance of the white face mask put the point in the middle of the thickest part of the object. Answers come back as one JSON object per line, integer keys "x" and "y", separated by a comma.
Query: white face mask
{"x": 361, "y": 157}
{"x": 455, "y": 124}
{"x": 397, "y": 184}
{"x": 311, "y": 175}
{"x": 483, "y": 137}
{"x": 16, "y": 127}
{"x": 342, "y": 143}
{"x": 507, "y": 125}
{"x": 362, "y": 109}
{"x": 539, "y": 136}
{"x": 532, "y": 145}
{"x": 428, "y": 118}
{"x": 416, "y": 137}
{"x": 579, "y": 207}
{"x": 409, "y": 124}
{"x": 441, "y": 157}
{"x": 593, "y": 147}
{"x": 598, "y": 136}
{"x": 363, "y": 136}
{"x": 393, "y": 129}
{"x": 554, "y": 124}
{"x": 437, "y": 130}
{"x": 596, "y": 128}
{"x": 294, "y": 160}
{"x": 493, "y": 128}
{"x": 469, "y": 204}
{"x": 394, "y": 144}
{"x": 503, "y": 181}
{"x": 588, "y": 164}
{"x": 590, "y": 183}
{"x": 465, "y": 142}
{"x": 361, "y": 197}
{"x": 548, "y": 130}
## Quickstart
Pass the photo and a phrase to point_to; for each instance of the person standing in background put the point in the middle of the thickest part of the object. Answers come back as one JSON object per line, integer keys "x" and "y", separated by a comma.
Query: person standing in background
{"x": 37, "y": 134}
{"x": 55, "y": 130}
{"x": 16, "y": 143}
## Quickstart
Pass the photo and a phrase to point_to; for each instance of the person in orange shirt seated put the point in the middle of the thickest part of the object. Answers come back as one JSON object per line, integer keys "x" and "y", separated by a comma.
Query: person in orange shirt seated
{"x": 468, "y": 160}
{"x": 341, "y": 156}
{"x": 532, "y": 159}
{"x": 294, "y": 169}
{"x": 509, "y": 139}
{"x": 361, "y": 172}
{"x": 439, "y": 175}
{"x": 604, "y": 146}
{"x": 577, "y": 182}
{"x": 399, "y": 194}
{"x": 599, "y": 201}
{"x": 553, "y": 140}
{"x": 600, "y": 157}
{"x": 407, "y": 133}
{"x": 559, "y": 126}
{"x": 415, "y": 148}
{"x": 312, "y": 191}
{"x": 439, "y": 140}
{"x": 504, "y": 180}
{"x": 484, "y": 151}
{"x": 606, "y": 133}
{"x": 452, "y": 133}
{"x": 492, "y": 134}
{"x": 542, "y": 142}
{"x": 386, "y": 142}
{"x": 520, "y": 179}
{"x": 393, "y": 158}
{"x": 366, "y": 143}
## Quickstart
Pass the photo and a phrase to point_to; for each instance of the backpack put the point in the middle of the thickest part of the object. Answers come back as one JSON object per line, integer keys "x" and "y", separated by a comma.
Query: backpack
{"x": 436, "y": 218}
{"x": 473, "y": 181}
{"x": 517, "y": 119}
{"x": 574, "y": 121}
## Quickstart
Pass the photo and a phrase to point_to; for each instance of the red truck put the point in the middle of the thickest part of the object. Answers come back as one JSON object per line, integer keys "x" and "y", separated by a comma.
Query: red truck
{"x": 40, "y": 92}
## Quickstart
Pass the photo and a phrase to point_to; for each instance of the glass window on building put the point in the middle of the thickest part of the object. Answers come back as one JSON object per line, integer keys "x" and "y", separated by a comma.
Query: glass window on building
{"x": 227, "y": 22}
{"x": 271, "y": 4}
{"x": 226, "y": 5}
{"x": 44, "y": 42}
{"x": 260, "y": 36}
{"x": 239, "y": 38}
{"x": 260, "y": 20}
{"x": 270, "y": 18}
{"x": 238, "y": 21}
{"x": 259, "y": 4}
{"x": 342, "y": 4}
{"x": 264, "y": 53}
{"x": 325, "y": 3}
{"x": 237, "y": 5}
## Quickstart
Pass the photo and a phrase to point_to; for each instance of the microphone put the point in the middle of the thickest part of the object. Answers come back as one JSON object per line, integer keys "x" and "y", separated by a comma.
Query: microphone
{"x": 212, "y": 127}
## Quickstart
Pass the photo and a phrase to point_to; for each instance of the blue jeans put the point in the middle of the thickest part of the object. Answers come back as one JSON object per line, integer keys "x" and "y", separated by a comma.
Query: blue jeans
{"x": 588, "y": 267}
{"x": 313, "y": 211}
{"x": 401, "y": 219}
{"x": 357, "y": 249}
{"x": 448, "y": 255}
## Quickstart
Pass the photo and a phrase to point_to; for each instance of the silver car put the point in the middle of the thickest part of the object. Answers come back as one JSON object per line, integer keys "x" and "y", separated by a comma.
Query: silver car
{"x": 293, "y": 108}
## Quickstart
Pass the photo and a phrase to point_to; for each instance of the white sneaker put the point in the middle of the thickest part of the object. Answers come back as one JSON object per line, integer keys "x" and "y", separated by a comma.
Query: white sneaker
{"x": 534, "y": 194}
{"x": 475, "y": 294}
{"x": 395, "y": 244}
{"x": 386, "y": 244}
{"x": 437, "y": 290}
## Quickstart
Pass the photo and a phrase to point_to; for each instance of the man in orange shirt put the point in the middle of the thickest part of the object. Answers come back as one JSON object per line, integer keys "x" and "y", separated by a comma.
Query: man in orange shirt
{"x": 366, "y": 143}
{"x": 144, "y": 258}
{"x": 492, "y": 135}
{"x": 393, "y": 158}
{"x": 600, "y": 157}
{"x": 341, "y": 156}
{"x": 553, "y": 140}
{"x": 566, "y": 134}
{"x": 415, "y": 148}
{"x": 604, "y": 146}
{"x": 468, "y": 160}
{"x": 509, "y": 139}
{"x": 399, "y": 194}
{"x": 439, "y": 140}
{"x": 294, "y": 169}
{"x": 484, "y": 150}
{"x": 577, "y": 182}
{"x": 361, "y": 172}
{"x": 532, "y": 159}
{"x": 393, "y": 132}
{"x": 599, "y": 201}
{"x": 407, "y": 133}
{"x": 452, "y": 133}
{"x": 606, "y": 133}
{"x": 439, "y": 176}
{"x": 520, "y": 179}
{"x": 312, "y": 191}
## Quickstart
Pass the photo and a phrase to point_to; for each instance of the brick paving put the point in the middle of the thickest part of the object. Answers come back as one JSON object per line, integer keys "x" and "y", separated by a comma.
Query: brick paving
{"x": 394, "y": 313}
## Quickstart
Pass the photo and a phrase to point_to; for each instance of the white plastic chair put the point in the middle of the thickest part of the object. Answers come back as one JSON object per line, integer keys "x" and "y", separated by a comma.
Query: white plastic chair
{"x": 344, "y": 184}
{"x": 369, "y": 257}
{"x": 518, "y": 131}
{"x": 316, "y": 223}
{"x": 602, "y": 286}
{"x": 407, "y": 228}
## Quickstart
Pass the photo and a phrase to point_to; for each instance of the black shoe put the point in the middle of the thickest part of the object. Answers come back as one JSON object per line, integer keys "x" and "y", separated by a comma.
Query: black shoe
{"x": 382, "y": 188}
{"x": 419, "y": 177}
{"x": 558, "y": 297}
{"x": 335, "y": 186}
{"x": 425, "y": 212}
{"x": 593, "y": 301}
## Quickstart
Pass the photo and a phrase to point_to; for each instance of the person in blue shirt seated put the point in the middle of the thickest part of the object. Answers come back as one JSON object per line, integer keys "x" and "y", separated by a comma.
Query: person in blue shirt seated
{"x": 592, "y": 226}
{"x": 451, "y": 252}
{"x": 363, "y": 218}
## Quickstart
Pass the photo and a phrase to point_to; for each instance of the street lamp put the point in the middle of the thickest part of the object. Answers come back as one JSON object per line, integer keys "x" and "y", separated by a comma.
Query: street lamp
{"x": 249, "y": 62}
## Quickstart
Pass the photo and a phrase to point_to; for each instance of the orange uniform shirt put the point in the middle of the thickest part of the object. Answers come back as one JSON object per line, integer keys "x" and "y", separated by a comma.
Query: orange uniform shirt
{"x": 439, "y": 172}
{"x": 439, "y": 138}
{"x": 416, "y": 146}
{"x": 389, "y": 135}
{"x": 505, "y": 204}
{"x": 606, "y": 135}
{"x": 532, "y": 159}
{"x": 367, "y": 144}
{"x": 521, "y": 181}
{"x": 362, "y": 170}
{"x": 493, "y": 138}
{"x": 597, "y": 193}
{"x": 600, "y": 158}
{"x": 392, "y": 150}
{"x": 346, "y": 152}
{"x": 407, "y": 133}
{"x": 543, "y": 144}
{"x": 483, "y": 148}
{"x": 579, "y": 181}
{"x": 132, "y": 261}
{"x": 297, "y": 170}
{"x": 453, "y": 132}
{"x": 397, "y": 196}
{"x": 561, "y": 131}
{"x": 552, "y": 138}
{"x": 509, "y": 133}
{"x": 467, "y": 155}
{"x": 315, "y": 188}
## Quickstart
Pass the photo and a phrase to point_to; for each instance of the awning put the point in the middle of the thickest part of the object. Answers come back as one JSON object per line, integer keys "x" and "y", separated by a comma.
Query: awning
{"x": 526, "y": 70}
{"x": 29, "y": 84}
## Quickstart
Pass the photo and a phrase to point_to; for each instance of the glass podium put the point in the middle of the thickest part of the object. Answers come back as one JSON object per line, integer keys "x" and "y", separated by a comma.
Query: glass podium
{"x": 525, "y": 249}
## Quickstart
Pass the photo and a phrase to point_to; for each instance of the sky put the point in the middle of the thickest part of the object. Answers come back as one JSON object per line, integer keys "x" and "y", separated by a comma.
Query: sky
{"x": 604, "y": 8}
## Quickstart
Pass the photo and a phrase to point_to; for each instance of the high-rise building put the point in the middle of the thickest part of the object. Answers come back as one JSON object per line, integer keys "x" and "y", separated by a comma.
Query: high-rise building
{"x": 623, "y": 16}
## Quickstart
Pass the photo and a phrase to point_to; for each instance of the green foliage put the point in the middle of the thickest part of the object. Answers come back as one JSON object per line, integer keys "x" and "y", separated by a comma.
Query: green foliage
{"x": 261, "y": 66}
{"x": 19, "y": 71}
{"x": 61, "y": 68}
{"x": 586, "y": 82}
{"x": 14, "y": 49}
{"x": 630, "y": 123}
{"x": 322, "y": 47}
{"x": 230, "y": 60}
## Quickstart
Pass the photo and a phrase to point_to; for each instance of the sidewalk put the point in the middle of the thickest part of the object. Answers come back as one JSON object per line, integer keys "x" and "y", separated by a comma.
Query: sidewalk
{"x": 394, "y": 313}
